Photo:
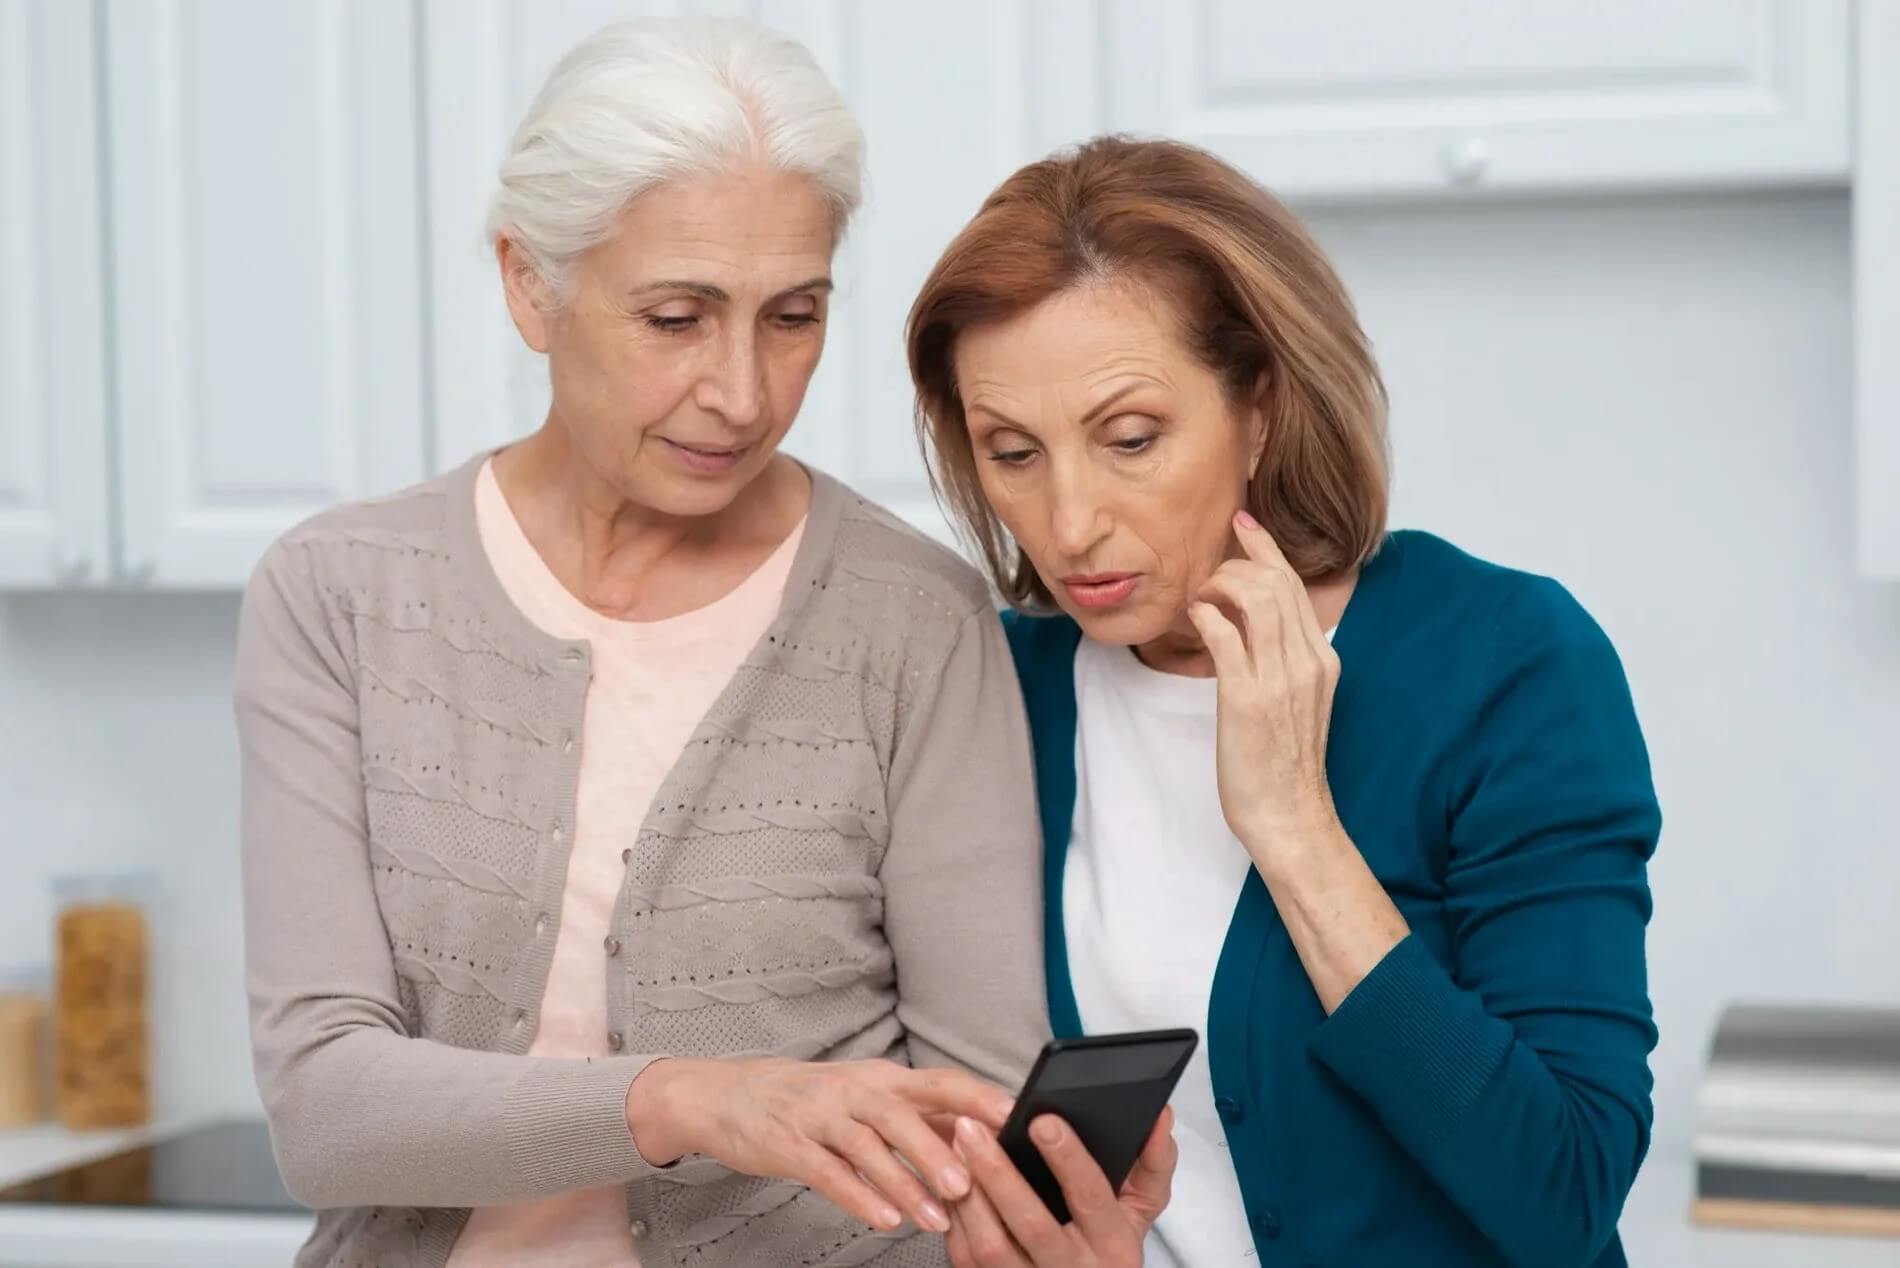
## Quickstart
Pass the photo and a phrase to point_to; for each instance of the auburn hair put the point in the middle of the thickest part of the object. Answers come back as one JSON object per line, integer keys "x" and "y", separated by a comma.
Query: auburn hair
{"x": 1257, "y": 302}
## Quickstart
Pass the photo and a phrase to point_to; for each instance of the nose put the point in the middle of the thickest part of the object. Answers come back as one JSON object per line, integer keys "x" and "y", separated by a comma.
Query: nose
{"x": 734, "y": 385}
{"x": 1078, "y": 515}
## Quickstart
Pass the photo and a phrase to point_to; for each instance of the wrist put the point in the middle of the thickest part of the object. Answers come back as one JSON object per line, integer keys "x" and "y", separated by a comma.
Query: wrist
{"x": 658, "y": 1116}
{"x": 1286, "y": 847}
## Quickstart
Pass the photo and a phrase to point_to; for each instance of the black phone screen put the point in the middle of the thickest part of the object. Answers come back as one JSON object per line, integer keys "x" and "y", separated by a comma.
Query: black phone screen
{"x": 1110, "y": 1089}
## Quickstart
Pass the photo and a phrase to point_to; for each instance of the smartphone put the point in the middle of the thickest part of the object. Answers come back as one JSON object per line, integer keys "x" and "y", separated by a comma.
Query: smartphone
{"x": 1110, "y": 1089}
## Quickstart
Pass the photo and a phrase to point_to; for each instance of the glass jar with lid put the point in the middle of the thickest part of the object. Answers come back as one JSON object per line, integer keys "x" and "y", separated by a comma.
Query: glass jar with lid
{"x": 101, "y": 1063}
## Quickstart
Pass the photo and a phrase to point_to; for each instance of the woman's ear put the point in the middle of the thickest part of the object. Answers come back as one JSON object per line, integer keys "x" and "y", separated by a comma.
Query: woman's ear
{"x": 525, "y": 291}
{"x": 1257, "y": 423}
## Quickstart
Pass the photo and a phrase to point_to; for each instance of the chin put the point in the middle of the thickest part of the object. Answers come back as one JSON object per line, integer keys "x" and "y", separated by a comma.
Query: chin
{"x": 690, "y": 497}
{"x": 1125, "y": 625}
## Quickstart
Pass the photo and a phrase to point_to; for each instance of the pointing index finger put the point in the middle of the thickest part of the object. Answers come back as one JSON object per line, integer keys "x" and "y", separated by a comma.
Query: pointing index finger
{"x": 1259, "y": 543}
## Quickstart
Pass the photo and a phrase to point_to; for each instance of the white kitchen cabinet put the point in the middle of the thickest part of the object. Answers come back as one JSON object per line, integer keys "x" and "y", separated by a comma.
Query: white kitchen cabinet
{"x": 1877, "y": 291}
{"x": 296, "y": 307}
{"x": 266, "y": 266}
{"x": 1328, "y": 101}
{"x": 1356, "y": 98}
{"x": 54, "y": 482}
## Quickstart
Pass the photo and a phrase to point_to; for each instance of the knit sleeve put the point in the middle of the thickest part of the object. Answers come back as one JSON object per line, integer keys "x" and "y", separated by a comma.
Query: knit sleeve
{"x": 1517, "y": 1073}
{"x": 962, "y": 876}
{"x": 361, "y": 1112}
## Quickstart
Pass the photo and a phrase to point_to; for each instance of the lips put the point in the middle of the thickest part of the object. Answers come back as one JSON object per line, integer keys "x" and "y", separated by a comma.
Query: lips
{"x": 708, "y": 457}
{"x": 1101, "y": 589}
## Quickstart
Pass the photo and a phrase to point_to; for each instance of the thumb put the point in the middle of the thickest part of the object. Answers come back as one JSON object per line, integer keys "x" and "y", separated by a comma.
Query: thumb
{"x": 1150, "y": 1184}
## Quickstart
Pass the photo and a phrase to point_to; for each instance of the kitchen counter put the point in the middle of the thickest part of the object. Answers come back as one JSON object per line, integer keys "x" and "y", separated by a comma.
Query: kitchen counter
{"x": 26, "y": 1152}
{"x": 1656, "y": 1227}
{"x": 49, "y": 1236}
{"x": 68, "y": 1237}
{"x": 1657, "y": 1232}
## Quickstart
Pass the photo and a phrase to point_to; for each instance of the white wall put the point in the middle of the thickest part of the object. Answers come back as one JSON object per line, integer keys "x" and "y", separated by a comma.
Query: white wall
{"x": 1647, "y": 398}
{"x": 117, "y": 751}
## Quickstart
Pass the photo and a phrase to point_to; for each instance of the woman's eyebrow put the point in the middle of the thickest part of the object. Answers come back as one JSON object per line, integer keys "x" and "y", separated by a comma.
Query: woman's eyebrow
{"x": 1102, "y": 406}
{"x": 718, "y": 295}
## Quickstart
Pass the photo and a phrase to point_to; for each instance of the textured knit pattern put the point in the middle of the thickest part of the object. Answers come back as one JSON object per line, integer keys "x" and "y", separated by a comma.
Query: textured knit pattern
{"x": 652, "y": 683}
{"x": 854, "y": 812}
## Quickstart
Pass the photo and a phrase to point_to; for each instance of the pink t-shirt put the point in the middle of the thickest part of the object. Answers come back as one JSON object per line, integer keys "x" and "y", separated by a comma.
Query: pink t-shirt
{"x": 652, "y": 683}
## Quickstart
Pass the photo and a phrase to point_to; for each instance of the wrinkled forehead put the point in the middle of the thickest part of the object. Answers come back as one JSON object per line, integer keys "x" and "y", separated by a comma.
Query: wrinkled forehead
{"x": 737, "y": 237}
{"x": 1069, "y": 350}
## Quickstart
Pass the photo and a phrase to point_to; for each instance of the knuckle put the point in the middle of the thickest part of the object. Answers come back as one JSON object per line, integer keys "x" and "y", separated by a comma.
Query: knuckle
{"x": 988, "y": 1245}
{"x": 882, "y": 1113}
{"x": 857, "y": 1138}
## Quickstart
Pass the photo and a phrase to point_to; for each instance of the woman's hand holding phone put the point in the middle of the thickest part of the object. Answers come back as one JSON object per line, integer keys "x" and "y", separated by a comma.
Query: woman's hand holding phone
{"x": 1003, "y": 1224}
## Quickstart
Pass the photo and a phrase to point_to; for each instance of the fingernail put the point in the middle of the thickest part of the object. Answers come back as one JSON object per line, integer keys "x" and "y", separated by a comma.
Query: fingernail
{"x": 1245, "y": 520}
{"x": 1047, "y": 1131}
{"x": 955, "y": 1181}
{"x": 890, "y": 1217}
{"x": 934, "y": 1219}
{"x": 966, "y": 1138}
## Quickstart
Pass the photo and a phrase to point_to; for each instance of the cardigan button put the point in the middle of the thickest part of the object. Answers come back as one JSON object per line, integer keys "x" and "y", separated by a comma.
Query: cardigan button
{"x": 1266, "y": 1224}
{"x": 615, "y": 1041}
{"x": 1231, "y": 1112}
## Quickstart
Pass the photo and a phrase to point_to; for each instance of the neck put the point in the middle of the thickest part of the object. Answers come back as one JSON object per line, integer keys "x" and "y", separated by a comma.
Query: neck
{"x": 614, "y": 552}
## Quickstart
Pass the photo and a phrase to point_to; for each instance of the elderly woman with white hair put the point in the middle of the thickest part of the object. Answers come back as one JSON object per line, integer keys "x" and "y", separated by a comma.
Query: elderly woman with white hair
{"x": 639, "y": 841}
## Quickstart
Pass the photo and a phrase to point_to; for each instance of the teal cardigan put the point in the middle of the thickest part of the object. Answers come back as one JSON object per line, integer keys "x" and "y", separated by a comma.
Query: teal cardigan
{"x": 1483, "y": 1096}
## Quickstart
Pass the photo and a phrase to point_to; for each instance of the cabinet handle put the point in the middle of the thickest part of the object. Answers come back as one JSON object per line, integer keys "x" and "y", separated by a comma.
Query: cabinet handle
{"x": 1465, "y": 161}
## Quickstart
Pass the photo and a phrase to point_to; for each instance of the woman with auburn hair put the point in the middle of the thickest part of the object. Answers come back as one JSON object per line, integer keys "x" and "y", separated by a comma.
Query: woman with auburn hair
{"x": 1371, "y": 813}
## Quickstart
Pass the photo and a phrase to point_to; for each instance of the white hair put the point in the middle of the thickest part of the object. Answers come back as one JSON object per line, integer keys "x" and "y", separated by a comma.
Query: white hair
{"x": 641, "y": 103}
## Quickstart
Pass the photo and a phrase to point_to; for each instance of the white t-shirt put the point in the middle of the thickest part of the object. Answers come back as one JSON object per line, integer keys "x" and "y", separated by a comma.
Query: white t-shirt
{"x": 1148, "y": 891}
